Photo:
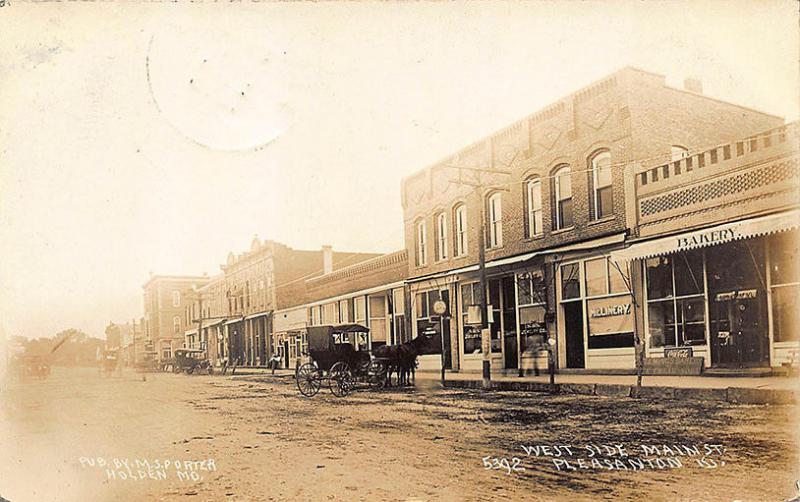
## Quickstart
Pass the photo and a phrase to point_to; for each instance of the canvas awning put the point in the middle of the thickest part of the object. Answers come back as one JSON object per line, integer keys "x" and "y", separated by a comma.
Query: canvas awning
{"x": 235, "y": 320}
{"x": 711, "y": 236}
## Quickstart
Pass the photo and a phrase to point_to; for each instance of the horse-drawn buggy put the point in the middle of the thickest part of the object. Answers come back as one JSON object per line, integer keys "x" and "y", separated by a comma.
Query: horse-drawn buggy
{"x": 31, "y": 366}
{"x": 340, "y": 360}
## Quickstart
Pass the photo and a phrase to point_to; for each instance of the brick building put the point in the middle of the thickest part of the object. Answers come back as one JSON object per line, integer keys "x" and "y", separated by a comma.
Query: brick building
{"x": 554, "y": 188}
{"x": 271, "y": 276}
{"x": 164, "y": 312}
{"x": 370, "y": 293}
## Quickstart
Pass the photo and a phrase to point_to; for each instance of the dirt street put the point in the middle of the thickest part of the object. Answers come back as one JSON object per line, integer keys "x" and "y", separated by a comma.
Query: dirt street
{"x": 78, "y": 436}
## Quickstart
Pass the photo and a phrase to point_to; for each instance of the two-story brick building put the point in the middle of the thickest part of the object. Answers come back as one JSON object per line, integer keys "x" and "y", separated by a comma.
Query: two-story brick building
{"x": 550, "y": 194}
{"x": 270, "y": 276}
{"x": 164, "y": 312}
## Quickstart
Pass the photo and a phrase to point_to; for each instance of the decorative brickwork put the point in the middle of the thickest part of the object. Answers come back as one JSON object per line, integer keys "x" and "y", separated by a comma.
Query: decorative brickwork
{"x": 734, "y": 184}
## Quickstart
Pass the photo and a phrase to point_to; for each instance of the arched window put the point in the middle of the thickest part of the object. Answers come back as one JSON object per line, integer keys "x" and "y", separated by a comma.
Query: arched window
{"x": 441, "y": 237}
{"x": 422, "y": 251}
{"x": 678, "y": 152}
{"x": 460, "y": 219}
{"x": 533, "y": 207}
{"x": 602, "y": 194}
{"x": 495, "y": 220}
{"x": 562, "y": 194}
{"x": 176, "y": 324}
{"x": 176, "y": 298}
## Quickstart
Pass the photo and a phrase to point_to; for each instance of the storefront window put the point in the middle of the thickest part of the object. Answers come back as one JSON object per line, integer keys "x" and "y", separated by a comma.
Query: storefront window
{"x": 429, "y": 322}
{"x": 470, "y": 295}
{"x": 531, "y": 288}
{"x": 570, "y": 281}
{"x": 659, "y": 277}
{"x": 676, "y": 311}
{"x": 596, "y": 278}
{"x": 784, "y": 272}
{"x": 399, "y": 321}
{"x": 377, "y": 319}
{"x": 533, "y": 331}
{"x": 360, "y": 308}
{"x": 617, "y": 282}
{"x": 688, "y": 274}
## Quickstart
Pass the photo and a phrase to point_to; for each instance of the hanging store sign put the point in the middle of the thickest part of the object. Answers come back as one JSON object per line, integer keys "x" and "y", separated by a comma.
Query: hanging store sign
{"x": 610, "y": 315}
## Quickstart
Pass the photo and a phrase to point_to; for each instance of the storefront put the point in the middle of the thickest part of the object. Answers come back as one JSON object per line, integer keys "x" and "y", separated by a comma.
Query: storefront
{"x": 726, "y": 293}
{"x": 516, "y": 295}
{"x": 595, "y": 314}
{"x": 432, "y": 313}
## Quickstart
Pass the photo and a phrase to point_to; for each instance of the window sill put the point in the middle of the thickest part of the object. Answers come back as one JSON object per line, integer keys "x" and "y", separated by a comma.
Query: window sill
{"x": 603, "y": 220}
{"x": 562, "y": 230}
{"x": 495, "y": 248}
{"x": 534, "y": 237}
{"x": 460, "y": 257}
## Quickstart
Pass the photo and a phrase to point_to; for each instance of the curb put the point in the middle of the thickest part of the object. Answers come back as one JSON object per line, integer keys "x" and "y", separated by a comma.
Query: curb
{"x": 733, "y": 395}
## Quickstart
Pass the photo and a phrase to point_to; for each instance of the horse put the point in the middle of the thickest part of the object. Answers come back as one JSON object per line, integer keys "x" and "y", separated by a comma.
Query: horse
{"x": 401, "y": 358}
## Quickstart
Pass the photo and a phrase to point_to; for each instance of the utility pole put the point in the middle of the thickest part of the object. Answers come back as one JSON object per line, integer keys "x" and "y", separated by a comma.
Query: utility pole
{"x": 486, "y": 342}
{"x": 486, "y": 347}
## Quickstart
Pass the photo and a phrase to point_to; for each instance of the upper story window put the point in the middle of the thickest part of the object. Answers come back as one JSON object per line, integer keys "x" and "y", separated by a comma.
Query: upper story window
{"x": 441, "y": 237}
{"x": 533, "y": 206}
{"x": 678, "y": 152}
{"x": 422, "y": 251}
{"x": 460, "y": 218}
{"x": 562, "y": 193}
{"x": 495, "y": 221}
{"x": 176, "y": 298}
{"x": 602, "y": 203}
{"x": 176, "y": 324}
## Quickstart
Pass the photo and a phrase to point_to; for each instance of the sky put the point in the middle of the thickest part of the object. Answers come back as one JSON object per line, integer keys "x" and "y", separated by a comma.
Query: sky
{"x": 158, "y": 137}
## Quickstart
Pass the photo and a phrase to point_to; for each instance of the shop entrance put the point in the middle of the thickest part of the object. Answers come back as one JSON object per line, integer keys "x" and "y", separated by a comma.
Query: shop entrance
{"x": 573, "y": 329}
{"x": 738, "y": 304}
{"x": 739, "y": 336}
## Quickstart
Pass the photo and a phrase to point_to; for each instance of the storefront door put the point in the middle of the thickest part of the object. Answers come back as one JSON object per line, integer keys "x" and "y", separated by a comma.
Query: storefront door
{"x": 739, "y": 334}
{"x": 510, "y": 339}
{"x": 573, "y": 329}
{"x": 286, "y": 353}
{"x": 738, "y": 304}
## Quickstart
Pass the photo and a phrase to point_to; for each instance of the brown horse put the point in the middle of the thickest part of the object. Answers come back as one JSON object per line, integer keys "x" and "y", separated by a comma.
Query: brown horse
{"x": 401, "y": 358}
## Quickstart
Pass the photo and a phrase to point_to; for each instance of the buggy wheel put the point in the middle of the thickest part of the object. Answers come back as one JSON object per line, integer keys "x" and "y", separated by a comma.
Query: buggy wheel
{"x": 376, "y": 374}
{"x": 340, "y": 379}
{"x": 308, "y": 380}
{"x": 175, "y": 369}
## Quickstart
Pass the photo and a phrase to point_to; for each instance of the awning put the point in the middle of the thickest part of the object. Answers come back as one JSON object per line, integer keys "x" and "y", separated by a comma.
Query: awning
{"x": 511, "y": 260}
{"x": 233, "y": 321}
{"x": 211, "y": 323}
{"x": 710, "y": 236}
{"x": 499, "y": 263}
{"x": 260, "y": 314}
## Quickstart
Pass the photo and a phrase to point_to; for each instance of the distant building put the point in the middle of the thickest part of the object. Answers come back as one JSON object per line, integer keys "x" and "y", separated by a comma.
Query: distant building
{"x": 269, "y": 277}
{"x": 164, "y": 313}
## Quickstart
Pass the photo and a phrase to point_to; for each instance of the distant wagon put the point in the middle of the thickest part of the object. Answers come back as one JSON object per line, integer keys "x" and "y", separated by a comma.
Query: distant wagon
{"x": 192, "y": 361}
{"x": 340, "y": 360}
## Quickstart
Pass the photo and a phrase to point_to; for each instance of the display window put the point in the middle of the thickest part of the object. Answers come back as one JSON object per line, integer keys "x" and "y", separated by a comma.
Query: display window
{"x": 676, "y": 311}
